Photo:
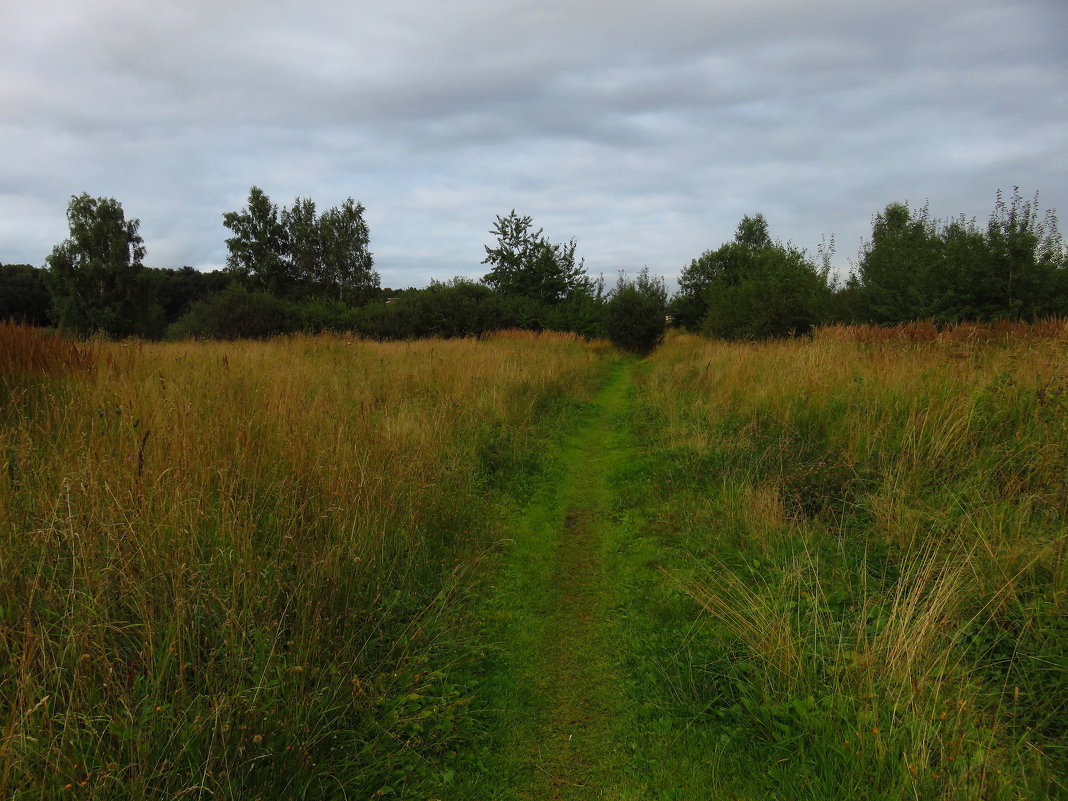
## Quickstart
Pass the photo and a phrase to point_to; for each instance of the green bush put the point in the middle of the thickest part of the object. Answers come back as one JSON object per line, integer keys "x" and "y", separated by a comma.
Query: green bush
{"x": 237, "y": 313}
{"x": 917, "y": 268}
{"x": 781, "y": 293}
{"x": 636, "y": 313}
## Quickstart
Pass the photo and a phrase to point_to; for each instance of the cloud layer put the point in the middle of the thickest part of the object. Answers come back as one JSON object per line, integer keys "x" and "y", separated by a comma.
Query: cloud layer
{"x": 644, "y": 131}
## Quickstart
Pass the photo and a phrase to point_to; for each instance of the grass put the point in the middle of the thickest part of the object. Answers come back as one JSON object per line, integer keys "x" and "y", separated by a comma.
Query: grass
{"x": 27, "y": 351}
{"x": 240, "y": 571}
{"x": 553, "y": 695}
{"x": 870, "y": 527}
{"x": 522, "y": 567}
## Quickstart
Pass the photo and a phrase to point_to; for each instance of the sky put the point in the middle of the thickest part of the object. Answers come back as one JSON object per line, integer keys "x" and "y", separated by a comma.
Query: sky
{"x": 644, "y": 130}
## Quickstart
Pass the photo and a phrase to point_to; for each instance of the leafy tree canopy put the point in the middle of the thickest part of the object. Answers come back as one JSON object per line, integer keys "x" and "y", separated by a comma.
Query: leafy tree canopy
{"x": 526, "y": 264}
{"x": 297, "y": 252}
{"x": 24, "y": 297}
{"x": 781, "y": 293}
{"x": 259, "y": 248}
{"x": 95, "y": 275}
{"x": 726, "y": 265}
{"x": 751, "y": 287}
{"x": 918, "y": 268}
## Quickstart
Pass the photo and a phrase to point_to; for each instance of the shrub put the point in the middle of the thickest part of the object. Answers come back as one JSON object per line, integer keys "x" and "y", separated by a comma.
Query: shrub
{"x": 237, "y": 313}
{"x": 636, "y": 313}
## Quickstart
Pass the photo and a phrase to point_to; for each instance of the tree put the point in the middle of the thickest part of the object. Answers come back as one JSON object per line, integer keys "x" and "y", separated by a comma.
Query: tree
{"x": 297, "y": 253}
{"x": 526, "y": 264}
{"x": 24, "y": 296}
{"x": 177, "y": 290}
{"x": 95, "y": 275}
{"x": 958, "y": 285}
{"x": 347, "y": 267}
{"x": 781, "y": 293}
{"x": 259, "y": 248}
{"x": 917, "y": 268}
{"x": 1026, "y": 261}
{"x": 753, "y": 287}
{"x": 724, "y": 267}
{"x": 582, "y": 312}
{"x": 635, "y": 316}
{"x": 304, "y": 240}
{"x": 899, "y": 268}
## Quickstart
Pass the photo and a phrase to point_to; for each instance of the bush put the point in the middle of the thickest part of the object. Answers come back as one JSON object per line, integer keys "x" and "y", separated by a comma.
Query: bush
{"x": 582, "y": 312}
{"x": 237, "y": 313}
{"x": 636, "y": 313}
{"x": 781, "y": 294}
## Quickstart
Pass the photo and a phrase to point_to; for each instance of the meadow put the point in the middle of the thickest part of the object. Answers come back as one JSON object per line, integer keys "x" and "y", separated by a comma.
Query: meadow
{"x": 316, "y": 567}
{"x": 866, "y": 534}
{"x": 238, "y": 570}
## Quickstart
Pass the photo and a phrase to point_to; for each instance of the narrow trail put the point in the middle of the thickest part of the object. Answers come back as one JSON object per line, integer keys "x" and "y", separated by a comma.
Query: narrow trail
{"x": 558, "y": 689}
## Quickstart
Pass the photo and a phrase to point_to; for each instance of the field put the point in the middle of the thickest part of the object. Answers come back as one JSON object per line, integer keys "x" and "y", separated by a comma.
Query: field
{"x": 528, "y": 566}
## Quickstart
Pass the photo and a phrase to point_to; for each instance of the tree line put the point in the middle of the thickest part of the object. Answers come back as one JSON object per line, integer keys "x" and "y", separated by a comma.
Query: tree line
{"x": 912, "y": 268}
{"x": 292, "y": 269}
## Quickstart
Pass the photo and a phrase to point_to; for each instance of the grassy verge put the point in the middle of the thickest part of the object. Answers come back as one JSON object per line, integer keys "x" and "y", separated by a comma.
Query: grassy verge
{"x": 862, "y": 584}
{"x": 551, "y": 694}
{"x": 241, "y": 571}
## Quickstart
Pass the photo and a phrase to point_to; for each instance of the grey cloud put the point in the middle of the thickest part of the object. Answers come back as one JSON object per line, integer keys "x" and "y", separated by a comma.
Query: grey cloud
{"x": 645, "y": 132}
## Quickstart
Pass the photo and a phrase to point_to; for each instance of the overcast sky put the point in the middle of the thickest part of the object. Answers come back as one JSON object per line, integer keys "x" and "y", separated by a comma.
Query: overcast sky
{"x": 644, "y": 130}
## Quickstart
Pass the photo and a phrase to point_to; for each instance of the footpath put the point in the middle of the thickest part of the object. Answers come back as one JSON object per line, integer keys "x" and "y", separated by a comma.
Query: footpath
{"x": 563, "y": 713}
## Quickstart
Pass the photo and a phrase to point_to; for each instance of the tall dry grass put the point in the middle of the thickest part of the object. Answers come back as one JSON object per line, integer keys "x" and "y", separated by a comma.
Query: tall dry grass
{"x": 229, "y": 570}
{"x": 28, "y": 350}
{"x": 878, "y": 518}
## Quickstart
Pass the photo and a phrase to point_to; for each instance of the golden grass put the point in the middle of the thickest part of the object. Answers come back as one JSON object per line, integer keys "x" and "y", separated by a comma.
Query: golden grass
{"x": 26, "y": 349}
{"x": 219, "y": 559}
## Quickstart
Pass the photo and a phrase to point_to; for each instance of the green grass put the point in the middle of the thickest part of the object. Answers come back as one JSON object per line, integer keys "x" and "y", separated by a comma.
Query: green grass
{"x": 530, "y": 568}
{"x": 552, "y": 694}
{"x": 581, "y": 631}
{"x": 868, "y": 541}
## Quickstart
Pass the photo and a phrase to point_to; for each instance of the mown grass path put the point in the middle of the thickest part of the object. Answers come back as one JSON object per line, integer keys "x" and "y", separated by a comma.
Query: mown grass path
{"x": 558, "y": 692}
